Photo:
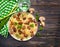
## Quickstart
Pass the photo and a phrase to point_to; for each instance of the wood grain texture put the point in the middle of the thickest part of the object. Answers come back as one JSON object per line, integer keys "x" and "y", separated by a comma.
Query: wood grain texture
{"x": 50, "y": 9}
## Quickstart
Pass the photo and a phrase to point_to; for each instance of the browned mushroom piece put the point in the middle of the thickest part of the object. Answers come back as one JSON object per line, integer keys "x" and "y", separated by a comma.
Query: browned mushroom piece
{"x": 35, "y": 24}
{"x": 24, "y": 18}
{"x": 30, "y": 20}
{"x": 17, "y": 18}
{"x": 14, "y": 16}
{"x": 25, "y": 35}
{"x": 11, "y": 23}
{"x": 28, "y": 27}
{"x": 21, "y": 39}
{"x": 34, "y": 21}
{"x": 18, "y": 14}
{"x": 20, "y": 22}
{"x": 31, "y": 10}
{"x": 19, "y": 31}
{"x": 14, "y": 29}
{"x": 31, "y": 31}
{"x": 23, "y": 27}
{"x": 27, "y": 23}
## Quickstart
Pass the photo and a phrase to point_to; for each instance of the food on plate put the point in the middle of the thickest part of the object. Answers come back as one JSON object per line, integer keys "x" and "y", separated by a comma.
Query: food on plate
{"x": 22, "y": 26}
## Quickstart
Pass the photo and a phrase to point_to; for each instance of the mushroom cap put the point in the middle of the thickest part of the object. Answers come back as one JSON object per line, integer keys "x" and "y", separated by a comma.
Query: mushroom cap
{"x": 42, "y": 18}
{"x": 31, "y": 9}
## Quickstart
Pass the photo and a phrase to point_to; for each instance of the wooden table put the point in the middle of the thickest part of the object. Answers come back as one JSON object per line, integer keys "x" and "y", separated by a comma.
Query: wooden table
{"x": 50, "y": 9}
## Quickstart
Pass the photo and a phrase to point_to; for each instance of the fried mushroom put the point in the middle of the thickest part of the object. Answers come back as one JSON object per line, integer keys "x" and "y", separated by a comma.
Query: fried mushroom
{"x": 13, "y": 28}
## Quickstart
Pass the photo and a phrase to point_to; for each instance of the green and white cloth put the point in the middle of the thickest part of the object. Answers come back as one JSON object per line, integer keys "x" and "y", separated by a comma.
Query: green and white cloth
{"x": 6, "y": 8}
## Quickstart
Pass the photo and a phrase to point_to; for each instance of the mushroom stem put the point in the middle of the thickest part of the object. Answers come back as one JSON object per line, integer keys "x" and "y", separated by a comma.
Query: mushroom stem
{"x": 42, "y": 23}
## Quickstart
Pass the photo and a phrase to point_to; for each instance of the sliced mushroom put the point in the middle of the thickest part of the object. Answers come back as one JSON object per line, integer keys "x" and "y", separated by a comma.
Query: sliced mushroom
{"x": 14, "y": 29}
{"x": 17, "y": 18}
{"x": 20, "y": 22}
{"x": 31, "y": 31}
{"x": 24, "y": 18}
{"x": 30, "y": 20}
{"x": 19, "y": 31}
{"x": 11, "y": 23}
{"x": 28, "y": 27}
{"x": 27, "y": 23}
{"x": 14, "y": 16}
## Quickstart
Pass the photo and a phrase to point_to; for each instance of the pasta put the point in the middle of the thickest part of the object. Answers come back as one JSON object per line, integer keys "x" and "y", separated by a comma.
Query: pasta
{"x": 22, "y": 26}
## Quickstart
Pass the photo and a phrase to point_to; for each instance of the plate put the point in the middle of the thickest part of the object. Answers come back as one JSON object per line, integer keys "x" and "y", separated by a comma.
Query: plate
{"x": 22, "y": 26}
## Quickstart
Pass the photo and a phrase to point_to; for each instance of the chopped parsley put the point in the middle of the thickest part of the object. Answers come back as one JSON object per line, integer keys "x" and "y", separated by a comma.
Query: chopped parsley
{"x": 37, "y": 16}
{"x": 38, "y": 34}
{"x": 17, "y": 35}
{"x": 19, "y": 26}
{"x": 15, "y": 23}
{"x": 40, "y": 28}
{"x": 32, "y": 25}
{"x": 22, "y": 14}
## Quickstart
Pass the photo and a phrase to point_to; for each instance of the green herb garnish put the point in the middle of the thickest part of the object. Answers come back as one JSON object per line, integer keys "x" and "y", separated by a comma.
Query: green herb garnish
{"x": 22, "y": 14}
{"x": 40, "y": 28}
{"x": 38, "y": 34}
{"x": 31, "y": 25}
{"x": 17, "y": 35}
{"x": 19, "y": 26}
{"x": 15, "y": 23}
{"x": 37, "y": 16}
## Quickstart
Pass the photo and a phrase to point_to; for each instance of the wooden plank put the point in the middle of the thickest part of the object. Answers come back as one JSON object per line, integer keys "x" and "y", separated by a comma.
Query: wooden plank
{"x": 45, "y": 2}
{"x": 50, "y": 9}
